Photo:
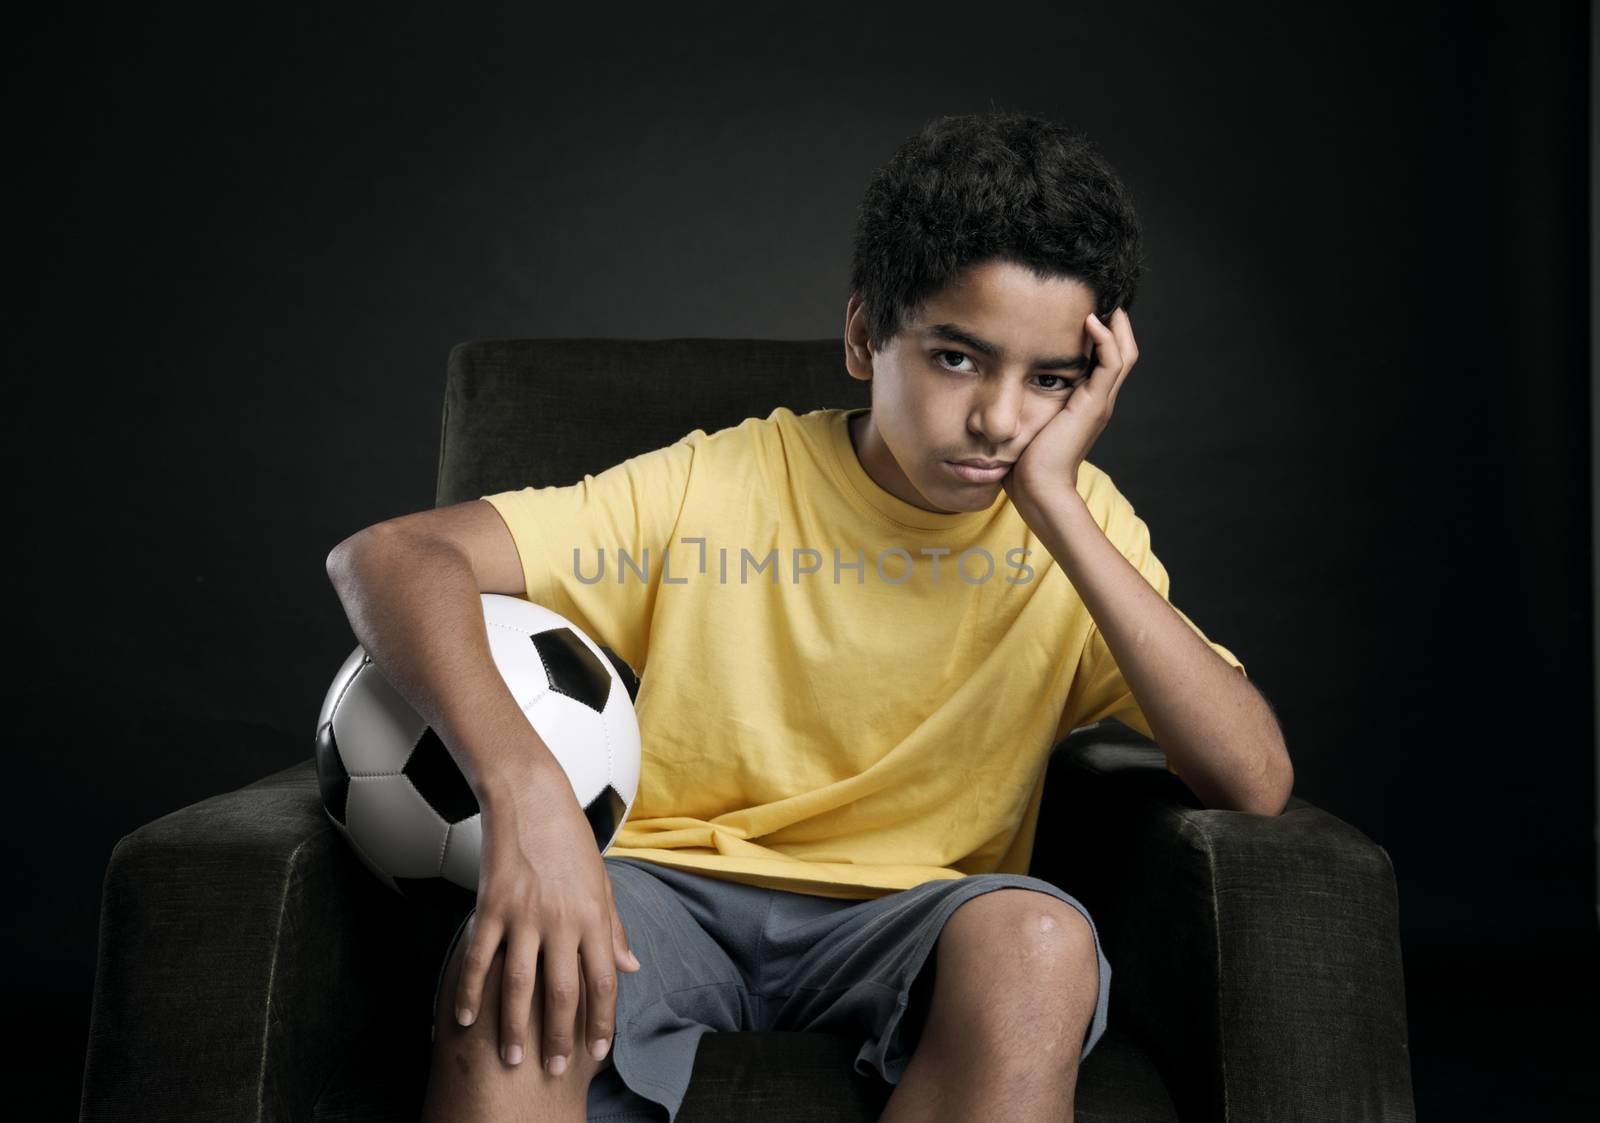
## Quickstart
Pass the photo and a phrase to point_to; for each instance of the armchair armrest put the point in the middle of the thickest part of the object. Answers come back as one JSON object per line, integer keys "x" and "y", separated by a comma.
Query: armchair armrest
{"x": 1255, "y": 958}
{"x": 244, "y": 951}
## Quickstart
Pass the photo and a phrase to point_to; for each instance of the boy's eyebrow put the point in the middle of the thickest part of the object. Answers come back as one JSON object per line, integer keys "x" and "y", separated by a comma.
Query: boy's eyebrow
{"x": 956, "y": 334}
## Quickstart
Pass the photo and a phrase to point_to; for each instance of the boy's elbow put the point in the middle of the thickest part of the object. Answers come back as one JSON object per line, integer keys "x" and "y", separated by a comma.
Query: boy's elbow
{"x": 337, "y": 559}
{"x": 1267, "y": 795}
{"x": 1277, "y": 794}
{"x": 341, "y": 555}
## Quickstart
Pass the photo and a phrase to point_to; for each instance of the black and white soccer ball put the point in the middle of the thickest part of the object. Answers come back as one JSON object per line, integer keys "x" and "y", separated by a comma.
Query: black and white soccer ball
{"x": 394, "y": 791}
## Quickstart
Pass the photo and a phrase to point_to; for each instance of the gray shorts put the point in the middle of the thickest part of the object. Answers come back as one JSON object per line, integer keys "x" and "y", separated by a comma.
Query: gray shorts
{"x": 720, "y": 956}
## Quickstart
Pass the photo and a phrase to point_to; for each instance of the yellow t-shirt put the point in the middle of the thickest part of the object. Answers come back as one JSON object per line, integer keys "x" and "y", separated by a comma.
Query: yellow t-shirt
{"x": 841, "y": 694}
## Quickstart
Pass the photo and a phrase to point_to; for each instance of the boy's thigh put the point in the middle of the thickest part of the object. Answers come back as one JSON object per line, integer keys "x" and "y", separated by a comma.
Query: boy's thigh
{"x": 867, "y": 969}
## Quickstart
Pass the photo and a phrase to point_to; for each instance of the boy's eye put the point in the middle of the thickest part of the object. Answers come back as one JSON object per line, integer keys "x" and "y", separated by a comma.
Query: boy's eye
{"x": 939, "y": 355}
{"x": 1057, "y": 383}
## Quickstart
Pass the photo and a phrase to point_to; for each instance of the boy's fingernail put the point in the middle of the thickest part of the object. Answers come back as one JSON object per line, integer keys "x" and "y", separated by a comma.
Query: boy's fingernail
{"x": 599, "y": 1048}
{"x": 557, "y": 1066}
{"x": 513, "y": 1054}
{"x": 464, "y": 1016}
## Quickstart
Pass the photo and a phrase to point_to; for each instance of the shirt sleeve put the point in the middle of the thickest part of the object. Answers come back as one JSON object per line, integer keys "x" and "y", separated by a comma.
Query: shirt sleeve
{"x": 595, "y": 551}
{"x": 1098, "y": 688}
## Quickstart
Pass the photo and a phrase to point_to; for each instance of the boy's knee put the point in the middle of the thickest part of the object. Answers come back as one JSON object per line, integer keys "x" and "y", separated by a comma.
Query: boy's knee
{"x": 484, "y": 1032}
{"x": 468, "y": 1080}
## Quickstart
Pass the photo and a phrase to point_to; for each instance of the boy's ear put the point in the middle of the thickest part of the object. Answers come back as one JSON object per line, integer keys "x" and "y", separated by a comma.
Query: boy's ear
{"x": 858, "y": 361}
{"x": 857, "y": 348}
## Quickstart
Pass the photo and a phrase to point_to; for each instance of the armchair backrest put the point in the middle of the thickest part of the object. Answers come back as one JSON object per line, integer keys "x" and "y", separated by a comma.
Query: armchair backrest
{"x": 520, "y": 412}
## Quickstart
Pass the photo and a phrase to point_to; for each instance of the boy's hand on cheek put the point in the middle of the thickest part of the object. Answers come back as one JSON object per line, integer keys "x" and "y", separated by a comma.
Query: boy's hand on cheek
{"x": 1047, "y": 470}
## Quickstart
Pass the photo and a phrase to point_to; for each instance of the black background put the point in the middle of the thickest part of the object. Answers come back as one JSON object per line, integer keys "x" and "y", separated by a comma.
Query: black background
{"x": 1359, "y": 428}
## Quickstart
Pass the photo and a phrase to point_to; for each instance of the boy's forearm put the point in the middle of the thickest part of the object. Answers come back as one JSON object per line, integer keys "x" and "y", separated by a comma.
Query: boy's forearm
{"x": 414, "y": 605}
{"x": 1213, "y": 724}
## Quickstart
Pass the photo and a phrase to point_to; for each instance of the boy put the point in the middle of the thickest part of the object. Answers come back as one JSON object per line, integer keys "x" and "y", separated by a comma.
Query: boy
{"x": 864, "y": 630}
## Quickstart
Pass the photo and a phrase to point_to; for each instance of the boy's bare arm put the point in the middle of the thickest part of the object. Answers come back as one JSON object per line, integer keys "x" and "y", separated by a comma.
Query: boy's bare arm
{"x": 410, "y": 587}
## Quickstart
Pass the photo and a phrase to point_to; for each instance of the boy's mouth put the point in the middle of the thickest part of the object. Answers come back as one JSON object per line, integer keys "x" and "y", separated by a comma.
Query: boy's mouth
{"x": 975, "y": 471}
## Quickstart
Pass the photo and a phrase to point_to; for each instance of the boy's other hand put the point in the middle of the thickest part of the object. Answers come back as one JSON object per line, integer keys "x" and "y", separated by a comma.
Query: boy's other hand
{"x": 1048, "y": 466}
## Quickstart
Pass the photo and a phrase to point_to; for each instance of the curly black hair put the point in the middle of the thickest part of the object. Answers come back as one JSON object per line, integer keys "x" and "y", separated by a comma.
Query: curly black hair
{"x": 1003, "y": 185}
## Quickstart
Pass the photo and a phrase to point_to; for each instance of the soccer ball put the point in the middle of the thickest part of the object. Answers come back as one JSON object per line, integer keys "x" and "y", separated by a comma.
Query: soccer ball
{"x": 394, "y": 791}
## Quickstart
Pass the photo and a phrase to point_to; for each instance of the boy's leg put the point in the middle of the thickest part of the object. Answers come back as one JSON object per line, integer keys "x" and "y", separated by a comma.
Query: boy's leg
{"x": 687, "y": 985}
{"x": 992, "y": 987}
{"x": 1014, "y": 994}
{"x": 467, "y": 1080}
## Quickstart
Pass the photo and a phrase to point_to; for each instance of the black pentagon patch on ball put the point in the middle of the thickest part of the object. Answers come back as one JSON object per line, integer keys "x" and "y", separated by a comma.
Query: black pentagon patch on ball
{"x": 332, "y": 777}
{"x": 433, "y": 772}
{"x": 605, "y": 814}
{"x": 572, "y": 668}
{"x": 624, "y": 672}
{"x": 437, "y": 893}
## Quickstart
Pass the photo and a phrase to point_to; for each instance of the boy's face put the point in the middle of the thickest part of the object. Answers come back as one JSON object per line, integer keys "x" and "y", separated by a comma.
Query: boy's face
{"x": 936, "y": 399}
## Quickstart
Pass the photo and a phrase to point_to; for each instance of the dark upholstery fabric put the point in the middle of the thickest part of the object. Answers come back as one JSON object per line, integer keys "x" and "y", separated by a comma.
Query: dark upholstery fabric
{"x": 244, "y": 951}
{"x": 251, "y": 969}
{"x": 546, "y": 411}
{"x": 1256, "y": 958}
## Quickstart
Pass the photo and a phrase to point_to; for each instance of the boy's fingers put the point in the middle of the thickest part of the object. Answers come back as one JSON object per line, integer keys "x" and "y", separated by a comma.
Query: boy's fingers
{"x": 518, "y": 975}
{"x": 563, "y": 986}
{"x": 620, "y": 951}
{"x": 597, "y": 1015}
{"x": 481, "y": 940}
